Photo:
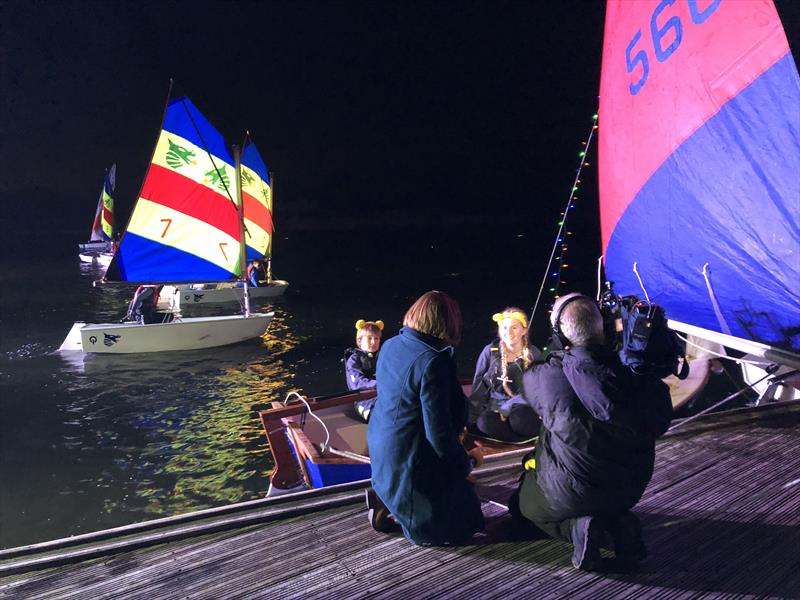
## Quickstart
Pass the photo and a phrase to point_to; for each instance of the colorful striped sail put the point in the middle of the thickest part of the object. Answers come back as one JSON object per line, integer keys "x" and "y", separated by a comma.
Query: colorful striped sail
{"x": 699, "y": 160}
{"x": 257, "y": 197}
{"x": 185, "y": 225}
{"x": 103, "y": 224}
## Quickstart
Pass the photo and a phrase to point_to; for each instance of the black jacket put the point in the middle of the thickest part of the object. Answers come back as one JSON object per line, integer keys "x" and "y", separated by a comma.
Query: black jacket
{"x": 600, "y": 421}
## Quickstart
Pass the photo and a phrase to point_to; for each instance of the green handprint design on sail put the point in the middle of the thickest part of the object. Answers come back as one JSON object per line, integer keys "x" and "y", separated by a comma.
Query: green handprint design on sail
{"x": 219, "y": 178}
{"x": 178, "y": 156}
{"x": 247, "y": 179}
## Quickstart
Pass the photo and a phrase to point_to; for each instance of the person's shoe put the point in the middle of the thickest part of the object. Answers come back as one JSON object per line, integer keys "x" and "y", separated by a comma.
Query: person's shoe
{"x": 626, "y": 531}
{"x": 587, "y": 537}
{"x": 379, "y": 517}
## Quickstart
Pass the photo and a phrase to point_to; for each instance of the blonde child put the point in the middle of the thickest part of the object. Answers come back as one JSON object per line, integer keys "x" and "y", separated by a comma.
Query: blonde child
{"x": 360, "y": 362}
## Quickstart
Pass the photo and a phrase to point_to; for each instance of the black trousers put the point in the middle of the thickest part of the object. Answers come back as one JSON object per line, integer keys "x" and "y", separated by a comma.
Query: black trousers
{"x": 522, "y": 424}
{"x": 529, "y": 502}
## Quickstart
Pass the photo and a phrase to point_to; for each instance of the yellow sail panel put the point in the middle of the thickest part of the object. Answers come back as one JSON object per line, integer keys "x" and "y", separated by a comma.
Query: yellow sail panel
{"x": 181, "y": 156}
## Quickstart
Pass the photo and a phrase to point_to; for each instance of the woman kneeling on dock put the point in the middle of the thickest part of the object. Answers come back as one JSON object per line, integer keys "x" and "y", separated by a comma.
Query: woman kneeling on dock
{"x": 419, "y": 467}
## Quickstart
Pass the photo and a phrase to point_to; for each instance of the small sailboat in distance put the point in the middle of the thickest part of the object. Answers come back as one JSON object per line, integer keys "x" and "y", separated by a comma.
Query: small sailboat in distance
{"x": 100, "y": 247}
{"x": 187, "y": 226}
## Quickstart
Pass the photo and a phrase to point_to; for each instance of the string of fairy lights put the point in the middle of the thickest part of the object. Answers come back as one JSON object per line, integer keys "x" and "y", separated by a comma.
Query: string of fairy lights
{"x": 554, "y": 274}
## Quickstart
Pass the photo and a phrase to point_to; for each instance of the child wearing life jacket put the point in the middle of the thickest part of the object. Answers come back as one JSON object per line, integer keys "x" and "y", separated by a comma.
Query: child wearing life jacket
{"x": 253, "y": 273}
{"x": 497, "y": 409}
{"x": 360, "y": 362}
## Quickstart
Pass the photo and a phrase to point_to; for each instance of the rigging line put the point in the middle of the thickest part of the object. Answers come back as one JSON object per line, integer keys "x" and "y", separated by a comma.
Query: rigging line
{"x": 776, "y": 378}
{"x": 714, "y": 303}
{"x": 210, "y": 156}
{"x": 308, "y": 407}
{"x": 563, "y": 221}
{"x": 641, "y": 283}
{"x": 599, "y": 277}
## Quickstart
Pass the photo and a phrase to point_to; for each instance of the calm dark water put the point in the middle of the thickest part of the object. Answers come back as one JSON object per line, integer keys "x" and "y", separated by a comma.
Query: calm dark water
{"x": 91, "y": 442}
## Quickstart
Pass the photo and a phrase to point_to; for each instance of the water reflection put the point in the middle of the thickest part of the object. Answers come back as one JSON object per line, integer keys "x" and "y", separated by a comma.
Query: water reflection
{"x": 93, "y": 441}
{"x": 142, "y": 436}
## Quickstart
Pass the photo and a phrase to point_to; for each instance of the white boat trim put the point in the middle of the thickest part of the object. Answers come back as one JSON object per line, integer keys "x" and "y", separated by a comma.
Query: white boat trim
{"x": 215, "y": 294}
{"x": 758, "y": 349}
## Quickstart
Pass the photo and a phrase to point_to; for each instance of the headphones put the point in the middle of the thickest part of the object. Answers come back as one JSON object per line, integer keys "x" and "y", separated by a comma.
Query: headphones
{"x": 558, "y": 335}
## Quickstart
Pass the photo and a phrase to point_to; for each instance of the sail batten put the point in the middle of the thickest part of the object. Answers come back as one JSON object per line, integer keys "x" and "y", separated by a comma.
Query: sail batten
{"x": 699, "y": 155}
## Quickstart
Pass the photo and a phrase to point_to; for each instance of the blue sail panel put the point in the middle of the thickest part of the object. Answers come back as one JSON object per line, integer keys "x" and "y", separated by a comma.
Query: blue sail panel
{"x": 146, "y": 261}
{"x": 727, "y": 200}
{"x": 183, "y": 119}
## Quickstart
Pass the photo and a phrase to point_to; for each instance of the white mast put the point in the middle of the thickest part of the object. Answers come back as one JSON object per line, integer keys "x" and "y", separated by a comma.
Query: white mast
{"x": 237, "y": 157}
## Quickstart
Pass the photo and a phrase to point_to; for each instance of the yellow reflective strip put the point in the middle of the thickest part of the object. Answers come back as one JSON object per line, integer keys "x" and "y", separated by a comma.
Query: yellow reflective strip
{"x": 199, "y": 167}
{"x": 530, "y": 464}
{"x": 166, "y": 226}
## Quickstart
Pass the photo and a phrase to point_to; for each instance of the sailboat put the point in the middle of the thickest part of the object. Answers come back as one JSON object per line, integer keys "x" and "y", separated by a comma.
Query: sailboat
{"x": 187, "y": 226}
{"x": 100, "y": 247}
{"x": 699, "y": 156}
{"x": 257, "y": 194}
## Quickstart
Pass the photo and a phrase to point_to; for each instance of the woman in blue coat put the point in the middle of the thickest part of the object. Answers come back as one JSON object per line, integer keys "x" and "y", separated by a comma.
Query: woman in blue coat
{"x": 419, "y": 467}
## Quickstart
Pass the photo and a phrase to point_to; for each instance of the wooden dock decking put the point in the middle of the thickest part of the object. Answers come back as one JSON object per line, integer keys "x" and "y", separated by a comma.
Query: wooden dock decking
{"x": 721, "y": 519}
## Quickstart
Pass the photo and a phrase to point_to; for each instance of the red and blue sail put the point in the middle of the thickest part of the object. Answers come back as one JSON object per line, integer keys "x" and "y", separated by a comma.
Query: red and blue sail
{"x": 700, "y": 164}
{"x": 103, "y": 223}
{"x": 185, "y": 225}
{"x": 257, "y": 198}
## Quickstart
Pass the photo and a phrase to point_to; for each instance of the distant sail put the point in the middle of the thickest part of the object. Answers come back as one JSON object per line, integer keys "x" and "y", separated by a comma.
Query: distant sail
{"x": 185, "y": 226}
{"x": 699, "y": 159}
{"x": 103, "y": 224}
{"x": 257, "y": 196}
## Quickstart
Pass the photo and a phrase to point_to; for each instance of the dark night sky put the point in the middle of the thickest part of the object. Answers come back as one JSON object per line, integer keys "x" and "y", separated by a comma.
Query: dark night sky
{"x": 379, "y": 108}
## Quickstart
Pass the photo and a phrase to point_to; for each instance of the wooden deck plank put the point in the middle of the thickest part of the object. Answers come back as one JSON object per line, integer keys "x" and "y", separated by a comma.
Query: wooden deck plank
{"x": 721, "y": 517}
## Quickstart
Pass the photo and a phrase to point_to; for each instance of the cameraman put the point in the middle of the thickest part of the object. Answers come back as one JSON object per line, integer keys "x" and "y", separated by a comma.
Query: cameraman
{"x": 596, "y": 448}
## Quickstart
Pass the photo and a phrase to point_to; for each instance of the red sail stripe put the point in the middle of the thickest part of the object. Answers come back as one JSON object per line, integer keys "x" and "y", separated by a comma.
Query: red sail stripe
{"x": 256, "y": 212}
{"x": 171, "y": 189}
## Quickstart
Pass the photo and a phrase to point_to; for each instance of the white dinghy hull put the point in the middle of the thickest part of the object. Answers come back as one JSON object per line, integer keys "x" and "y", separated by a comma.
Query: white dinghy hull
{"x": 184, "y": 334}
{"x": 96, "y": 258}
{"x": 212, "y": 295}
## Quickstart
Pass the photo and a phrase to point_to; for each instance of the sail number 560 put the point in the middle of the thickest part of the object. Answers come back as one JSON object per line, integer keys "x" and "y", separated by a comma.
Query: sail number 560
{"x": 670, "y": 31}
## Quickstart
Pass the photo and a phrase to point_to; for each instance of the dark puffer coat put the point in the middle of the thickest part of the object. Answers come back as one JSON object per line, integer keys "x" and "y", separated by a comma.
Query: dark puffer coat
{"x": 419, "y": 466}
{"x": 359, "y": 369}
{"x": 600, "y": 421}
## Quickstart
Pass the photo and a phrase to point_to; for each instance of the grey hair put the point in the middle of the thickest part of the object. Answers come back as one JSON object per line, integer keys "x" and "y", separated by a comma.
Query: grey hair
{"x": 580, "y": 322}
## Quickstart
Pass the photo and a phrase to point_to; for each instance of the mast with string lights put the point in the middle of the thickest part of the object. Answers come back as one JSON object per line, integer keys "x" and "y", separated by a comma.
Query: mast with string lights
{"x": 554, "y": 275}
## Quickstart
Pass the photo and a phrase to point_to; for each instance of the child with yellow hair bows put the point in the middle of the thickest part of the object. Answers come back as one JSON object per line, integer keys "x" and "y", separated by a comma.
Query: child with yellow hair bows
{"x": 497, "y": 409}
{"x": 360, "y": 362}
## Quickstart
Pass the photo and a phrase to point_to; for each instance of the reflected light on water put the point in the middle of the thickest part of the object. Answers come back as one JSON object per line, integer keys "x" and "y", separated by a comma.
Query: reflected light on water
{"x": 193, "y": 437}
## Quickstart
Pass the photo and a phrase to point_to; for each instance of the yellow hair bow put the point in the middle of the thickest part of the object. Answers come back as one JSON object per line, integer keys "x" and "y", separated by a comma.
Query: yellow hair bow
{"x": 497, "y": 317}
{"x": 361, "y": 323}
